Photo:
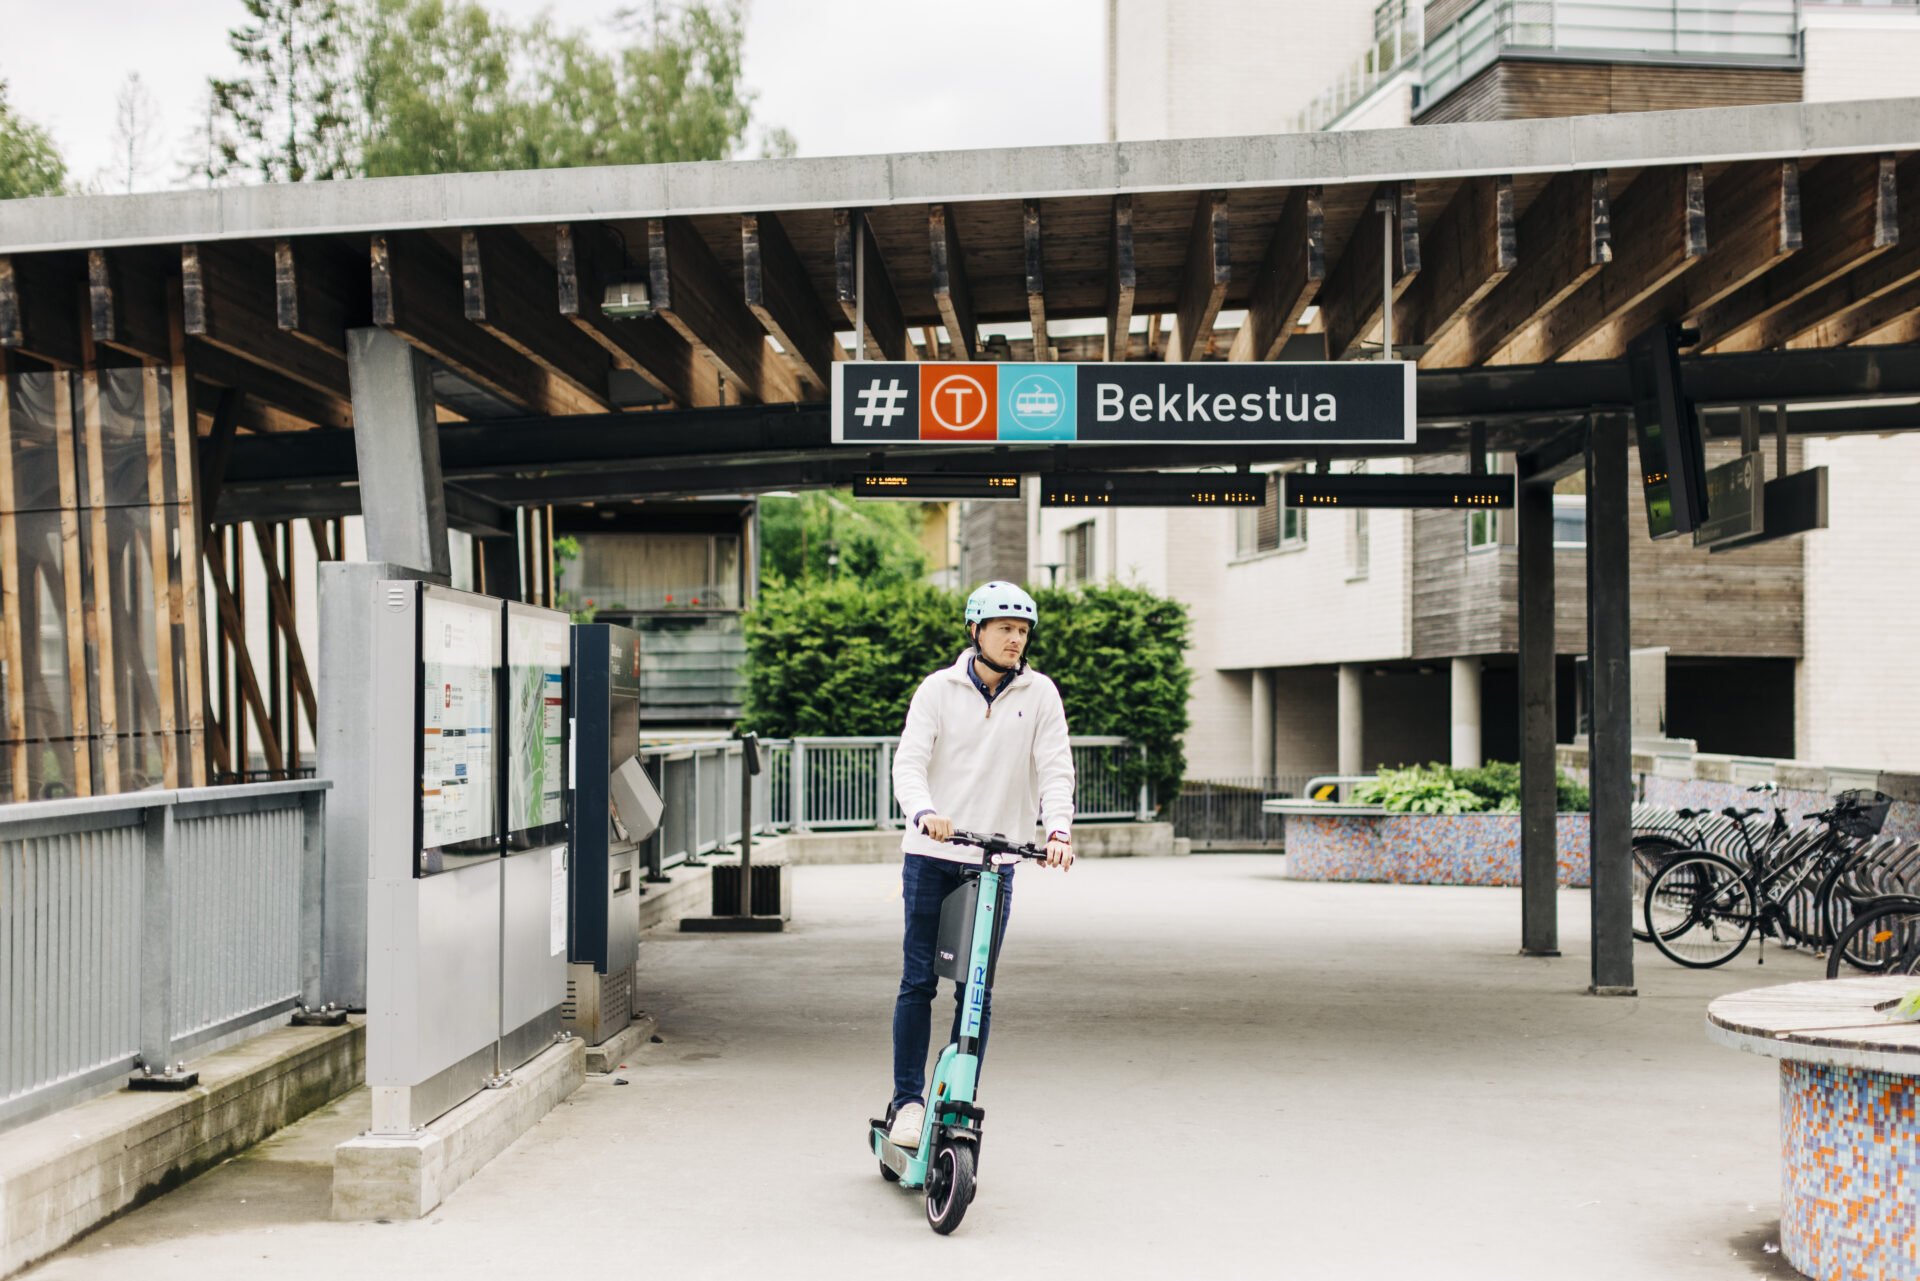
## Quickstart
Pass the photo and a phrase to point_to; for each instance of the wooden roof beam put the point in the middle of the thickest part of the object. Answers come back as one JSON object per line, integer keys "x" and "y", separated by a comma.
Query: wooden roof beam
{"x": 1567, "y": 232}
{"x": 1120, "y": 280}
{"x": 416, "y": 289}
{"x": 1753, "y": 221}
{"x": 1208, "y": 272}
{"x": 1288, "y": 280}
{"x": 1663, "y": 220}
{"x": 952, "y": 293}
{"x": 781, "y": 296}
{"x": 586, "y": 259}
{"x": 1350, "y": 300}
{"x": 127, "y": 302}
{"x": 264, "y": 386}
{"x": 309, "y": 294}
{"x": 886, "y": 336}
{"x": 1473, "y": 245}
{"x": 1843, "y": 311}
{"x": 1849, "y": 218}
{"x": 504, "y": 283}
{"x": 1036, "y": 278}
{"x": 227, "y": 301}
{"x": 693, "y": 293}
{"x": 40, "y": 307}
{"x": 1889, "y": 317}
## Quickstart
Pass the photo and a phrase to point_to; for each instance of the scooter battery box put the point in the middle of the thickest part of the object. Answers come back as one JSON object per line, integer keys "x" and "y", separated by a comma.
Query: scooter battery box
{"x": 955, "y": 945}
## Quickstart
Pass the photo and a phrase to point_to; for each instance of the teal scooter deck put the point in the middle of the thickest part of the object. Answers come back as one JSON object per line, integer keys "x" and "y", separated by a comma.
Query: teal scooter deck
{"x": 948, "y": 1157}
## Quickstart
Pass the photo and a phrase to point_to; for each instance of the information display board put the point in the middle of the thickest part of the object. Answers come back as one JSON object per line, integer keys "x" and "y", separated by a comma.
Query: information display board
{"x": 926, "y": 487}
{"x": 1422, "y": 489}
{"x": 459, "y": 651}
{"x": 537, "y": 659}
{"x": 1151, "y": 489}
{"x": 1148, "y": 402}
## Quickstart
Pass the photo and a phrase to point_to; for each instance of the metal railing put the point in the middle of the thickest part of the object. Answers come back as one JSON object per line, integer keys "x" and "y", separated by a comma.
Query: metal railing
{"x": 1226, "y": 813}
{"x": 813, "y": 784}
{"x": 1738, "y": 32}
{"x": 137, "y": 928}
{"x": 1397, "y": 45}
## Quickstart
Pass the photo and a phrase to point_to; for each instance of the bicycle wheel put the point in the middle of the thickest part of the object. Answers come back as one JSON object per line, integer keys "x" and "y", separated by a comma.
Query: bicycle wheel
{"x": 1650, "y": 854}
{"x": 1883, "y": 939}
{"x": 1700, "y": 911}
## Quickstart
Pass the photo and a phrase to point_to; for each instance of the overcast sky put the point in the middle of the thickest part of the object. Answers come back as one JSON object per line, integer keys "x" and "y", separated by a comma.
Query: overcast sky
{"x": 845, "y": 76}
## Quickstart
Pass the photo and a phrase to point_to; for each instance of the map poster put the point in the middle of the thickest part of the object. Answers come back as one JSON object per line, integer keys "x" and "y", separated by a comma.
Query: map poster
{"x": 459, "y": 652}
{"x": 537, "y": 644}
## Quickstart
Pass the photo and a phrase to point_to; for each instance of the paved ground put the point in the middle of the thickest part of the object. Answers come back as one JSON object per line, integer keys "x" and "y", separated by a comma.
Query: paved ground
{"x": 1197, "y": 1065}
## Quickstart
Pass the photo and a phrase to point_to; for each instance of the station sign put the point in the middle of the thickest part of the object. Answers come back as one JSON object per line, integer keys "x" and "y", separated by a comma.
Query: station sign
{"x": 1134, "y": 403}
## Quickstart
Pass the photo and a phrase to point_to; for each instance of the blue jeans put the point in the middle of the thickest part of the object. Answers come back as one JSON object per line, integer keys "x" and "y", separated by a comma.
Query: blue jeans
{"x": 925, "y": 884}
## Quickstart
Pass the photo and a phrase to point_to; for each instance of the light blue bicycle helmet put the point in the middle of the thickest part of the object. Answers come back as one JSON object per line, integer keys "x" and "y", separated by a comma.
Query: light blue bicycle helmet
{"x": 1000, "y": 600}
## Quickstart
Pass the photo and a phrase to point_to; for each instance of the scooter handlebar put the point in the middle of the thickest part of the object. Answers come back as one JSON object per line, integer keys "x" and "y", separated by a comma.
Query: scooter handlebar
{"x": 996, "y": 844}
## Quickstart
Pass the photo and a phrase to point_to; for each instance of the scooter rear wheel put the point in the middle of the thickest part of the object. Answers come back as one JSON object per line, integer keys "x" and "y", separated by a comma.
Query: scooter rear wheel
{"x": 886, "y": 1172}
{"x": 949, "y": 1186}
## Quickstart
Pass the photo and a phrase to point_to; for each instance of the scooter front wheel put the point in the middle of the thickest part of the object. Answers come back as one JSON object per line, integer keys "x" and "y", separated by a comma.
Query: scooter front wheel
{"x": 949, "y": 1186}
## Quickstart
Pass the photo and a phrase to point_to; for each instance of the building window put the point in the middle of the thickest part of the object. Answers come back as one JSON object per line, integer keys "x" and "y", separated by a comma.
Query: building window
{"x": 641, "y": 573}
{"x": 1270, "y": 526}
{"x": 1570, "y": 520}
{"x": 1359, "y": 549}
{"x": 1078, "y": 552}
{"x": 1483, "y": 527}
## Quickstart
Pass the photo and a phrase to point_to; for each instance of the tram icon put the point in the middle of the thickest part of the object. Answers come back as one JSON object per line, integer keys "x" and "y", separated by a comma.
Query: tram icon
{"x": 1036, "y": 403}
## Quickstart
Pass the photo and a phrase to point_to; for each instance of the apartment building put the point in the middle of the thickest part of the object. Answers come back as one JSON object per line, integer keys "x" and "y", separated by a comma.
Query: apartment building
{"x": 1397, "y": 630}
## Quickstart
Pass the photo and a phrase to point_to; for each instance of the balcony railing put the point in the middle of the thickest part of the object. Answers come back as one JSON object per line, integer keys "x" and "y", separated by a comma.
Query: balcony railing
{"x": 1396, "y": 48}
{"x": 1735, "y": 32}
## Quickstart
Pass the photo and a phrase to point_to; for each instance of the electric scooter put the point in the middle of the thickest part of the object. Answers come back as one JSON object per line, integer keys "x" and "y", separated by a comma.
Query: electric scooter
{"x": 948, "y": 1158}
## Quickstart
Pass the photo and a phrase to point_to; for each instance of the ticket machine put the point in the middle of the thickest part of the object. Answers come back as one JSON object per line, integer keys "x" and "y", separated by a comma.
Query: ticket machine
{"x": 615, "y": 810}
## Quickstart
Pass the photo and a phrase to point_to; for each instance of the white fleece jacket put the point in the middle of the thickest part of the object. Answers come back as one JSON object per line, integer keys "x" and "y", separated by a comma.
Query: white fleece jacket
{"x": 996, "y": 768}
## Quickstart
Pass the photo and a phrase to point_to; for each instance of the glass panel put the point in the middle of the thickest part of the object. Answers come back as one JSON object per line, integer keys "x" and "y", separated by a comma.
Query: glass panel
{"x": 123, "y": 435}
{"x": 691, "y": 662}
{"x": 143, "y": 759}
{"x": 536, "y": 709}
{"x": 625, "y": 572}
{"x": 43, "y": 627}
{"x": 459, "y": 653}
{"x": 136, "y": 650}
{"x": 36, "y": 466}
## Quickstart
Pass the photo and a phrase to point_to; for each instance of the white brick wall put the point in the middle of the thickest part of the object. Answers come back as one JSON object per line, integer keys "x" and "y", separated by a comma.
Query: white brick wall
{"x": 1860, "y": 52}
{"x": 1859, "y": 688}
{"x": 1213, "y": 68}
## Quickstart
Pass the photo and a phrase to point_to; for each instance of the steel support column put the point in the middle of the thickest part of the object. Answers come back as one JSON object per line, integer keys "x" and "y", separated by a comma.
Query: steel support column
{"x": 1610, "y": 759}
{"x": 1539, "y": 861}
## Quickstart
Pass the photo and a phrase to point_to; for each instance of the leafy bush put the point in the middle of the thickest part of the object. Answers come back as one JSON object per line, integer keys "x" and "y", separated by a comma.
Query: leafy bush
{"x": 1442, "y": 789}
{"x": 844, "y": 657}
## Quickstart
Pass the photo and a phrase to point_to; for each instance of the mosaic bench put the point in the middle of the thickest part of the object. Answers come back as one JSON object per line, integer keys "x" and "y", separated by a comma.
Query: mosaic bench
{"x": 1329, "y": 841}
{"x": 1849, "y": 1141}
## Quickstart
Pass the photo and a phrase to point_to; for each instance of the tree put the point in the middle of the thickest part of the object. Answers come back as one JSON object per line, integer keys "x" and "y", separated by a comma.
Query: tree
{"x": 824, "y": 535}
{"x": 136, "y": 123}
{"x": 30, "y": 165}
{"x": 436, "y": 90}
{"x": 288, "y": 107}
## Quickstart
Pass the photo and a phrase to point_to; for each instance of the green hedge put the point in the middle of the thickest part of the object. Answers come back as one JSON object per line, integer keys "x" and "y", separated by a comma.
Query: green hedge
{"x": 843, "y": 658}
{"x": 1442, "y": 789}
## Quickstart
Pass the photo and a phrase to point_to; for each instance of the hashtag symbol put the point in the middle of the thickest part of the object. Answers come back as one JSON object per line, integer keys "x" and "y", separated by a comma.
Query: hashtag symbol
{"x": 882, "y": 403}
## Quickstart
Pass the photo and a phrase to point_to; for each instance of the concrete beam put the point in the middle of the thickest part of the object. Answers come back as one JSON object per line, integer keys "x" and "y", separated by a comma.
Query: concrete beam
{"x": 397, "y": 446}
{"x": 1488, "y": 148}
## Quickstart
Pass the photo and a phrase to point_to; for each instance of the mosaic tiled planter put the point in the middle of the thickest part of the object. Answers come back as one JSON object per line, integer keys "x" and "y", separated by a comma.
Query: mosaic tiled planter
{"x": 1363, "y": 843}
{"x": 1849, "y": 1140}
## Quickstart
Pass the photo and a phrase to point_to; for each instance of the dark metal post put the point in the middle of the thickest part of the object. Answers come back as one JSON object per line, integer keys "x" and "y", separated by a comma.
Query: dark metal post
{"x": 1539, "y": 838}
{"x": 749, "y": 766}
{"x": 1610, "y": 752}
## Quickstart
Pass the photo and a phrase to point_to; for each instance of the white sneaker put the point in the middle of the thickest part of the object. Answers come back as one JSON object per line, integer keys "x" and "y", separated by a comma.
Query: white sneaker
{"x": 907, "y": 1124}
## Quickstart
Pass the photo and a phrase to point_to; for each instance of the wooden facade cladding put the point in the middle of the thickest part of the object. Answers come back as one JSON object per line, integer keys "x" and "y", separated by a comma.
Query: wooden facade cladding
{"x": 1520, "y": 89}
{"x": 1744, "y": 604}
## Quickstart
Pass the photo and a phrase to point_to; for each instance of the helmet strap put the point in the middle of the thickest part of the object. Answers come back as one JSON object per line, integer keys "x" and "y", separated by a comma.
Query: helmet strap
{"x": 981, "y": 654}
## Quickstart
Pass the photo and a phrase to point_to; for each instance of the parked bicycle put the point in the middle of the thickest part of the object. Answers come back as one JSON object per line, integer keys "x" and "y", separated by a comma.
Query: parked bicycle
{"x": 1657, "y": 842}
{"x": 1702, "y": 909}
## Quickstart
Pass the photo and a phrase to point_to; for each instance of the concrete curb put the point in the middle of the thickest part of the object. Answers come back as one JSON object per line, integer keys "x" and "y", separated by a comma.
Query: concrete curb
{"x": 65, "y": 1174}
{"x": 406, "y": 1176}
{"x": 620, "y": 1047}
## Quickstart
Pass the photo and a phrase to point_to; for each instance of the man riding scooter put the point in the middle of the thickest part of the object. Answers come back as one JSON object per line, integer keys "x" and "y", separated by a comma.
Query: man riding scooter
{"x": 985, "y": 739}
